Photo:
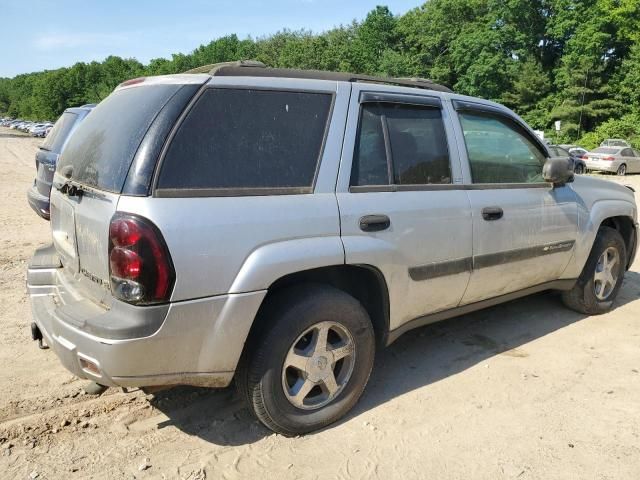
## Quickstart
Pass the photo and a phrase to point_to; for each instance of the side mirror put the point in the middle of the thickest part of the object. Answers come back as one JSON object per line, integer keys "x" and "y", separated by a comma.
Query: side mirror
{"x": 558, "y": 170}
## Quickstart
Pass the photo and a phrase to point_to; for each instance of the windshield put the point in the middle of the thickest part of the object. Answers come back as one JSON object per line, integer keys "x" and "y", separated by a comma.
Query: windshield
{"x": 59, "y": 133}
{"x": 102, "y": 148}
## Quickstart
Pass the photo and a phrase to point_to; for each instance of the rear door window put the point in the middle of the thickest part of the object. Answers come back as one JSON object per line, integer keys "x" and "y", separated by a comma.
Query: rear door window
{"x": 247, "y": 141}
{"x": 59, "y": 133}
{"x": 415, "y": 151}
{"x": 627, "y": 152}
{"x": 102, "y": 148}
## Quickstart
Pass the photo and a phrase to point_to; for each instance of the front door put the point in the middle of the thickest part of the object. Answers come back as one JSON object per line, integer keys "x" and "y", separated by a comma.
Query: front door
{"x": 524, "y": 230}
{"x": 403, "y": 208}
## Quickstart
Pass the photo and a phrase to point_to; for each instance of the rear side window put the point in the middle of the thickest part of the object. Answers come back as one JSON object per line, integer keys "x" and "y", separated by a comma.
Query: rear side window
{"x": 244, "y": 139}
{"x": 412, "y": 137}
{"x": 627, "y": 152}
{"x": 59, "y": 133}
{"x": 102, "y": 148}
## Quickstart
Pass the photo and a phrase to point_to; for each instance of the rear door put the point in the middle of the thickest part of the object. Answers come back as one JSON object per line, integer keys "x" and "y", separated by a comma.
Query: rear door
{"x": 403, "y": 209}
{"x": 96, "y": 162}
{"x": 524, "y": 230}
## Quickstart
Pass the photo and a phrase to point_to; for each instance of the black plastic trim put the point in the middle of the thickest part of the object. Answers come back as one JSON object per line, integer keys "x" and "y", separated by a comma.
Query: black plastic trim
{"x": 506, "y": 186}
{"x": 229, "y": 192}
{"x": 444, "y": 186}
{"x": 500, "y": 258}
{"x": 402, "y": 98}
{"x": 468, "y": 264}
{"x": 441, "y": 269}
{"x": 393, "y": 335}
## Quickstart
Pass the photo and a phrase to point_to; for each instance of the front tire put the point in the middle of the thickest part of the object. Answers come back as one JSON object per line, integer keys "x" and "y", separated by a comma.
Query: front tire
{"x": 313, "y": 361}
{"x": 601, "y": 277}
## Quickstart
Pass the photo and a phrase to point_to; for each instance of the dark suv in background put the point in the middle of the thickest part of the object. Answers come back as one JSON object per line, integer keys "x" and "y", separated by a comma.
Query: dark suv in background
{"x": 48, "y": 154}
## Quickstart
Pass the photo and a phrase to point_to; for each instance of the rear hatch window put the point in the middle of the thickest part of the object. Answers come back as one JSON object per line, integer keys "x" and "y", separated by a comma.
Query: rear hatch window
{"x": 101, "y": 150}
{"x": 606, "y": 151}
{"x": 59, "y": 133}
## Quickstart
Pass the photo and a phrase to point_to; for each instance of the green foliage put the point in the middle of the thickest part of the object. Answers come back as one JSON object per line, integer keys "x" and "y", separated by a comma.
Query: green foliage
{"x": 627, "y": 127}
{"x": 577, "y": 61}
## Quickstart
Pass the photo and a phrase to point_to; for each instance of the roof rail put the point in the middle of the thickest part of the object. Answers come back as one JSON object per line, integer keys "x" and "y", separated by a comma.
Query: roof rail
{"x": 213, "y": 67}
{"x": 254, "y": 68}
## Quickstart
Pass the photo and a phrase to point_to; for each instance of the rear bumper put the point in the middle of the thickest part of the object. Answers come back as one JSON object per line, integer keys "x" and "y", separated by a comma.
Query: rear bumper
{"x": 38, "y": 202}
{"x": 602, "y": 166}
{"x": 196, "y": 342}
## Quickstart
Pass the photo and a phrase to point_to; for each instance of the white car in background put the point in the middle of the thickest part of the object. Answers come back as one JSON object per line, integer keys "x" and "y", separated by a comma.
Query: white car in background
{"x": 618, "y": 160}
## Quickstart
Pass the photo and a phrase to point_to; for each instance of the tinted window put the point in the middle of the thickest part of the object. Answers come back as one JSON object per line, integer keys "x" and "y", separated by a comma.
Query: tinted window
{"x": 627, "y": 152}
{"x": 500, "y": 151}
{"x": 59, "y": 133}
{"x": 417, "y": 144}
{"x": 240, "y": 138}
{"x": 370, "y": 159}
{"x": 102, "y": 148}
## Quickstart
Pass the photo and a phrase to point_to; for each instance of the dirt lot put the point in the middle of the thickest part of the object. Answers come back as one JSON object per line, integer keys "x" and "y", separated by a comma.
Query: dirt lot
{"x": 524, "y": 390}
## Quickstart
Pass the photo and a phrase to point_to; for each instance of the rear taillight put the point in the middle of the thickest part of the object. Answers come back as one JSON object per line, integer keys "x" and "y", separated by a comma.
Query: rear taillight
{"x": 585, "y": 157}
{"x": 609, "y": 159}
{"x": 133, "y": 81}
{"x": 140, "y": 266}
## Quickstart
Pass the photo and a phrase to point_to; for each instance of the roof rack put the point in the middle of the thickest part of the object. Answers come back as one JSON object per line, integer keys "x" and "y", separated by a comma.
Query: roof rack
{"x": 254, "y": 68}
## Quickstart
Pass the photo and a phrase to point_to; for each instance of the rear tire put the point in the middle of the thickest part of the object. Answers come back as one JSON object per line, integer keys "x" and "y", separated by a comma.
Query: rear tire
{"x": 622, "y": 170}
{"x": 579, "y": 170}
{"x": 601, "y": 277}
{"x": 311, "y": 363}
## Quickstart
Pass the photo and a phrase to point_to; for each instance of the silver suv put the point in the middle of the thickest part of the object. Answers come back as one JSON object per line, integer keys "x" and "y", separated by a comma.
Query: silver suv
{"x": 277, "y": 226}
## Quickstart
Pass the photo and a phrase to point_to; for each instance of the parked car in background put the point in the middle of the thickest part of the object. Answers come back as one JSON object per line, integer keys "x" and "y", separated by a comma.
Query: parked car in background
{"x": 40, "y": 130}
{"x": 574, "y": 149}
{"x": 337, "y": 211}
{"x": 578, "y": 151}
{"x": 579, "y": 166}
{"x": 48, "y": 153}
{"x": 615, "y": 142}
{"x": 618, "y": 160}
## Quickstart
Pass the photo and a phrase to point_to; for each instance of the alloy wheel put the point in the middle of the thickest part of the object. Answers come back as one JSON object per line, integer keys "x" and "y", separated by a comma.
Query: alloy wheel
{"x": 318, "y": 365}
{"x": 606, "y": 277}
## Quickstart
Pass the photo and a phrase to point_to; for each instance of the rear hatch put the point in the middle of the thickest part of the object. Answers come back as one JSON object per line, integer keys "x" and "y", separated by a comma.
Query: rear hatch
{"x": 90, "y": 178}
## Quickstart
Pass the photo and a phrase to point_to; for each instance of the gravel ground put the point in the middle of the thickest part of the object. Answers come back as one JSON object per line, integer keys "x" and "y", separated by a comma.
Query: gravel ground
{"x": 524, "y": 390}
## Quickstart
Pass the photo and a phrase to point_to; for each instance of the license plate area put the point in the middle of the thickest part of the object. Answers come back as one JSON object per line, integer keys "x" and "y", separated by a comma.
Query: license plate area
{"x": 63, "y": 228}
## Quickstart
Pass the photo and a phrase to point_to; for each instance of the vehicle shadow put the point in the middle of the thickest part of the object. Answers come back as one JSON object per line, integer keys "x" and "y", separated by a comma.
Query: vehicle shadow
{"x": 419, "y": 358}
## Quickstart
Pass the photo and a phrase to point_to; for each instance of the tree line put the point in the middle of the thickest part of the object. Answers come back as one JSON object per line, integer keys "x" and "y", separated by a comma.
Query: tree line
{"x": 577, "y": 61}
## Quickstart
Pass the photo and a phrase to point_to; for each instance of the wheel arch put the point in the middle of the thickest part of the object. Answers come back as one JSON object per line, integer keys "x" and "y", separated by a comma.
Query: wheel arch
{"x": 627, "y": 229}
{"x": 364, "y": 282}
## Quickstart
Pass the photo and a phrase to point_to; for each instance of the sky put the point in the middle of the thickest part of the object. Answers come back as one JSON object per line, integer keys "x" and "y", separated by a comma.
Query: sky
{"x": 45, "y": 34}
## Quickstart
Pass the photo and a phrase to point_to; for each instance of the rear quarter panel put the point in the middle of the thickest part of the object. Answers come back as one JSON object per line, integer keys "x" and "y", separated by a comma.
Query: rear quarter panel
{"x": 240, "y": 244}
